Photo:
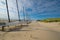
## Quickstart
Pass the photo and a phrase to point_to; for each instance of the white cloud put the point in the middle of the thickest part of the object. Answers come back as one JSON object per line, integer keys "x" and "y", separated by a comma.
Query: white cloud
{"x": 12, "y": 9}
{"x": 37, "y": 6}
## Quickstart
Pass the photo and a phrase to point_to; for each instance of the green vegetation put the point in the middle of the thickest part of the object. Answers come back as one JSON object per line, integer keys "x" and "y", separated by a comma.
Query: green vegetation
{"x": 50, "y": 20}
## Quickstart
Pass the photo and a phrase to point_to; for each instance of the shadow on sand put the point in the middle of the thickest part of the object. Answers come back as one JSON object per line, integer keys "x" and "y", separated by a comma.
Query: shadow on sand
{"x": 18, "y": 28}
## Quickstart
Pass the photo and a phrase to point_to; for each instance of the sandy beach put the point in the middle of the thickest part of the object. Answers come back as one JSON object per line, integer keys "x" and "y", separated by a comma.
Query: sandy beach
{"x": 34, "y": 31}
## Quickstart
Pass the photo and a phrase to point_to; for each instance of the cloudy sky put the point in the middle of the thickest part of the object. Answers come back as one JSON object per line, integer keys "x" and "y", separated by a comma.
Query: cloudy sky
{"x": 34, "y": 9}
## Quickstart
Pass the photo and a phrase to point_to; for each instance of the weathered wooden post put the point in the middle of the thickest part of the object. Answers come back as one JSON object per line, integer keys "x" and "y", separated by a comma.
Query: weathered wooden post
{"x": 3, "y": 28}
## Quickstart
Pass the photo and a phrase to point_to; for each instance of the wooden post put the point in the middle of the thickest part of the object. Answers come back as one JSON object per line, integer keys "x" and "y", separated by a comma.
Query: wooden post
{"x": 3, "y": 28}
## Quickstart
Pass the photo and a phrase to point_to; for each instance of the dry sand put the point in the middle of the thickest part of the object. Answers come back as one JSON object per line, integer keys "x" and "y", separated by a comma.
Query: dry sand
{"x": 35, "y": 31}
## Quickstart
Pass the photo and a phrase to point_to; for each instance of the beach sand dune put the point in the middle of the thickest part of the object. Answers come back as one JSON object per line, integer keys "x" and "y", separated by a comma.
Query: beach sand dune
{"x": 35, "y": 31}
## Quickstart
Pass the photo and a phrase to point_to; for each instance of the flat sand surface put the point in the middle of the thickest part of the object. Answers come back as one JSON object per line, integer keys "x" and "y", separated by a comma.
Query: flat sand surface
{"x": 35, "y": 31}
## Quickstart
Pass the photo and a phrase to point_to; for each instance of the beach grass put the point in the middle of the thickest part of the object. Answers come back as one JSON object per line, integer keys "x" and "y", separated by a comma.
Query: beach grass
{"x": 50, "y": 20}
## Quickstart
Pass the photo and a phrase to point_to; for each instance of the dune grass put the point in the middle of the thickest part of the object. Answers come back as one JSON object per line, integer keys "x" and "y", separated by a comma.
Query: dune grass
{"x": 50, "y": 20}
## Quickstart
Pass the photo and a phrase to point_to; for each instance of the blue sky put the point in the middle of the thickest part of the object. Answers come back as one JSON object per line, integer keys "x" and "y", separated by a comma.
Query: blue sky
{"x": 35, "y": 9}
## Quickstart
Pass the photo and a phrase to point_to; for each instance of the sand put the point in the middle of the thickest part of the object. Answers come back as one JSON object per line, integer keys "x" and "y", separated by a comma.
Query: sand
{"x": 35, "y": 31}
